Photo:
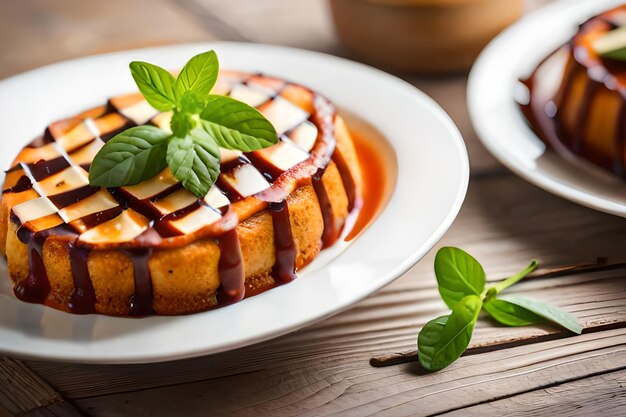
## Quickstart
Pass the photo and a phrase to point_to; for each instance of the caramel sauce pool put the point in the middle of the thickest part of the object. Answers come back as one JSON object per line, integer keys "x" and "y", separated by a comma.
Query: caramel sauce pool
{"x": 374, "y": 180}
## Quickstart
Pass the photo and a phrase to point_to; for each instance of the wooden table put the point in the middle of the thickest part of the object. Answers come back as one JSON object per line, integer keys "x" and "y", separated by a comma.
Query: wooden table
{"x": 325, "y": 369}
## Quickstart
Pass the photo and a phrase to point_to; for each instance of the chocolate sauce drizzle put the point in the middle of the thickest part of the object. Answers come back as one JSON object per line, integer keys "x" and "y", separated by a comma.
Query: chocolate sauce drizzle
{"x": 83, "y": 298}
{"x": 23, "y": 183}
{"x": 330, "y": 233}
{"x": 284, "y": 246}
{"x": 141, "y": 301}
{"x": 36, "y": 287}
{"x": 68, "y": 198}
{"x": 43, "y": 169}
{"x": 230, "y": 269}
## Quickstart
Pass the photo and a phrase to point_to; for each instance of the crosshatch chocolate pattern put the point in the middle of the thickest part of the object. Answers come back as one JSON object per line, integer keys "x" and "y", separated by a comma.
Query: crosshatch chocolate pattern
{"x": 47, "y": 195}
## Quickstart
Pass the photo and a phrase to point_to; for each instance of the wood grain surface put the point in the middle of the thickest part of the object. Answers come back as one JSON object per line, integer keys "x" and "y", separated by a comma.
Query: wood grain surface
{"x": 324, "y": 369}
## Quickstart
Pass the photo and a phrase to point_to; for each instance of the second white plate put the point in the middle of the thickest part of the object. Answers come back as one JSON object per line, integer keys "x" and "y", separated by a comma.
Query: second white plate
{"x": 503, "y": 129}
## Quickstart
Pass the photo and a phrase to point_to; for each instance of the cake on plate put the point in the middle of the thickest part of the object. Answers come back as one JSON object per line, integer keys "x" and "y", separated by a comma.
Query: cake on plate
{"x": 582, "y": 111}
{"x": 155, "y": 247}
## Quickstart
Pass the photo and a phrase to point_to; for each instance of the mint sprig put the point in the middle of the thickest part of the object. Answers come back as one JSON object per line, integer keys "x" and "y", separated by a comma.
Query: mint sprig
{"x": 200, "y": 124}
{"x": 461, "y": 280}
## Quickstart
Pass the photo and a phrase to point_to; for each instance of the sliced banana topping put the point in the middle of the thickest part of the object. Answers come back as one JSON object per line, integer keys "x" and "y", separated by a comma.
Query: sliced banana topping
{"x": 69, "y": 179}
{"x": 199, "y": 218}
{"x": 284, "y": 155}
{"x": 140, "y": 113}
{"x": 153, "y": 186}
{"x": 250, "y": 96}
{"x": 34, "y": 209}
{"x": 246, "y": 180}
{"x": 304, "y": 135}
{"x": 99, "y": 201}
{"x": 283, "y": 114}
{"x": 123, "y": 228}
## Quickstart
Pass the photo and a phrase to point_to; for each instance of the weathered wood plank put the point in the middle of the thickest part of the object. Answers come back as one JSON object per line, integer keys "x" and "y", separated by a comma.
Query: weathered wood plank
{"x": 24, "y": 393}
{"x": 333, "y": 385}
{"x": 21, "y": 388}
{"x": 4, "y": 412}
{"x": 601, "y": 395}
{"x": 58, "y": 409}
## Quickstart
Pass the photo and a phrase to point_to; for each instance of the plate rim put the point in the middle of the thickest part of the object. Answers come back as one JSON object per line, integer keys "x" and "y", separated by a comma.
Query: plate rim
{"x": 436, "y": 111}
{"x": 488, "y": 133}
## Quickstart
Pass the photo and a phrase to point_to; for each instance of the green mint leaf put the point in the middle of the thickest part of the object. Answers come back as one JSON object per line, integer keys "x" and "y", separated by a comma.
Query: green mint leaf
{"x": 618, "y": 54}
{"x": 444, "y": 339}
{"x": 235, "y": 125}
{"x": 195, "y": 161}
{"x": 156, "y": 85}
{"x": 130, "y": 157}
{"x": 510, "y": 314}
{"x": 612, "y": 44}
{"x": 458, "y": 275}
{"x": 547, "y": 311}
{"x": 199, "y": 74}
{"x": 191, "y": 102}
{"x": 182, "y": 123}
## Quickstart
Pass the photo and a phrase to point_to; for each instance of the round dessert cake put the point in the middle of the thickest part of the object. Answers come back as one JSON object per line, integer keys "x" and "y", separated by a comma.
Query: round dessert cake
{"x": 585, "y": 114}
{"x": 155, "y": 248}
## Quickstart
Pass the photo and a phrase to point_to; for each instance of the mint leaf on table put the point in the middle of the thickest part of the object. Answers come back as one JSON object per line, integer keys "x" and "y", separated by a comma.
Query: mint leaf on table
{"x": 461, "y": 281}
{"x": 130, "y": 157}
{"x": 547, "y": 311}
{"x": 458, "y": 275}
{"x": 199, "y": 74}
{"x": 155, "y": 84}
{"x": 200, "y": 124}
{"x": 235, "y": 125}
{"x": 510, "y": 314}
{"x": 195, "y": 161}
{"x": 444, "y": 339}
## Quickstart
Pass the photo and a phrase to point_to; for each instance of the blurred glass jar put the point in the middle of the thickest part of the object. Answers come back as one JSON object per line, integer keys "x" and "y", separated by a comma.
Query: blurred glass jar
{"x": 421, "y": 36}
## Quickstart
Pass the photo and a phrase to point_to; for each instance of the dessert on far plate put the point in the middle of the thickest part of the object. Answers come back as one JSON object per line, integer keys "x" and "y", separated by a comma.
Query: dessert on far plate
{"x": 155, "y": 247}
{"x": 577, "y": 95}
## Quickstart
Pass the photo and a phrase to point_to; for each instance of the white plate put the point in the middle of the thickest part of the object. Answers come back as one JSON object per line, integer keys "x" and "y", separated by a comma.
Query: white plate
{"x": 432, "y": 176}
{"x": 501, "y": 125}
